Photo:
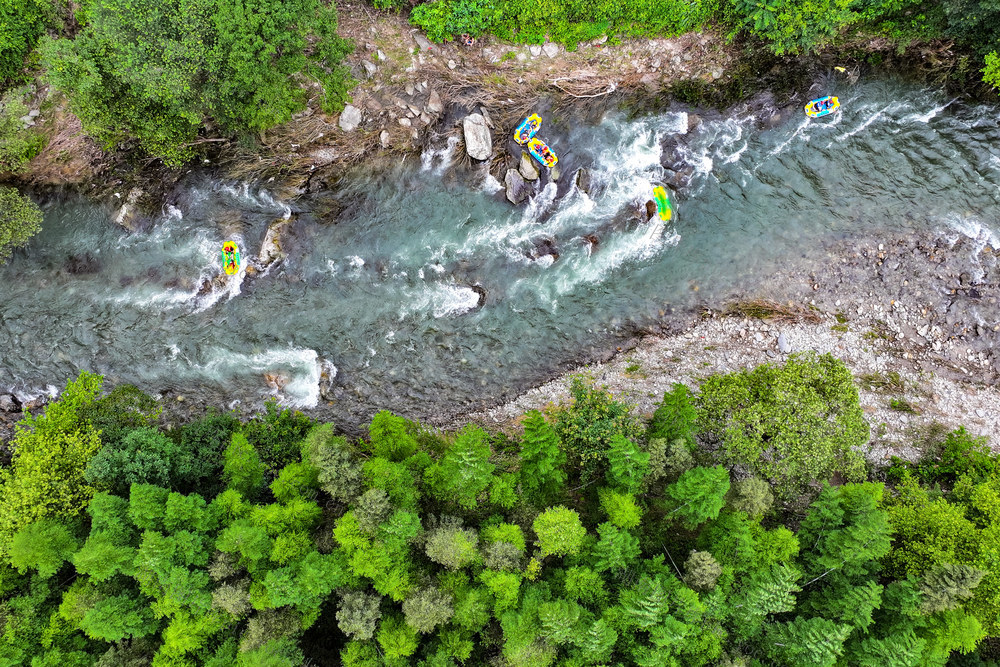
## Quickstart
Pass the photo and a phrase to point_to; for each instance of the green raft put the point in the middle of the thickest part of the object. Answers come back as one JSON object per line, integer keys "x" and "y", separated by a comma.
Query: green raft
{"x": 663, "y": 205}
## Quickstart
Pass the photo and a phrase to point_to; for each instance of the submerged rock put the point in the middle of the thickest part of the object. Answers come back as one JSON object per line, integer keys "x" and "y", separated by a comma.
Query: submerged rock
{"x": 83, "y": 264}
{"x": 478, "y": 141}
{"x": 276, "y": 380}
{"x": 517, "y": 189}
{"x": 584, "y": 180}
{"x": 481, "y": 291}
{"x": 9, "y": 403}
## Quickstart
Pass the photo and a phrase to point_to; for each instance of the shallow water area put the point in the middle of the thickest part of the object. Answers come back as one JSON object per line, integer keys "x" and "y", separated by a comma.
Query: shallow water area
{"x": 379, "y": 306}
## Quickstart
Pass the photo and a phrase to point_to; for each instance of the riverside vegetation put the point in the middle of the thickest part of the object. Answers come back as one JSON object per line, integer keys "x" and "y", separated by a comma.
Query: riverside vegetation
{"x": 740, "y": 525}
{"x": 169, "y": 79}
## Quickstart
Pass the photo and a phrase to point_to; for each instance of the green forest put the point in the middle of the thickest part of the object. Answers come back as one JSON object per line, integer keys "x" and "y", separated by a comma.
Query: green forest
{"x": 740, "y": 525}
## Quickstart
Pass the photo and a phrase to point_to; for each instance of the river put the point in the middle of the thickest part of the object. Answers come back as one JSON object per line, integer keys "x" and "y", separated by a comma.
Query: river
{"x": 375, "y": 303}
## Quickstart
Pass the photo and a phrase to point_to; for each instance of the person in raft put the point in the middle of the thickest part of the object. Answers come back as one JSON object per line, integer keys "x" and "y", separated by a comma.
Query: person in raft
{"x": 231, "y": 264}
{"x": 546, "y": 153}
{"x": 822, "y": 106}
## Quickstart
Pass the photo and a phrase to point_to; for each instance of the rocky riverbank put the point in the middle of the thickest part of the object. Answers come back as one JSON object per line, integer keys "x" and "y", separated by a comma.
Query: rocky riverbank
{"x": 915, "y": 318}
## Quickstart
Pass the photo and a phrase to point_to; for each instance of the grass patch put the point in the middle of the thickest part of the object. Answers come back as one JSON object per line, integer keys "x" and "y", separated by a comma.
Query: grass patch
{"x": 890, "y": 381}
{"x": 902, "y": 405}
{"x": 839, "y": 328}
{"x": 764, "y": 309}
{"x": 841, "y": 318}
{"x": 633, "y": 367}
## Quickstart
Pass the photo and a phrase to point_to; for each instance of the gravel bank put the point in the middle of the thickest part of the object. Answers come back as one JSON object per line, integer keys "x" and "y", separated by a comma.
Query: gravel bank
{"x": 922, "y": 306}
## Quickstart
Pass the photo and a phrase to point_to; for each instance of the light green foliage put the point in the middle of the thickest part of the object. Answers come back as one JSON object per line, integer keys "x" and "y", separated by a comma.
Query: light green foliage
{"x": 391, "y": 437}
{"x": 596, "y": 644}
{"x": 464, "y": 471}
{"x": 50, "y": 452}
{"x": 701, "y": 571}
{"x": 147, "y": 506}
{"x": 396, "y": 479}
{"x": 813, "y": 642}
{"x": 453, "y": 546}
{"x": 620, "y": 508}
{"x": 358, "y": 614}
{"x": 503, "y": 491}
{"x": 283, "y": 652}
{"x": 243, "y": 470}
{"x": 505, "y": 588}
{"x": 765, "y": 592}
{"x": 559, "y": 532}
{"x": 903, "y": 649}
{"x": 628, "y": 464}
{"x": 948, "y": 585}
{"x": 676, "y": 418}
{"x": 927, "y": 532}
{"x": 115, "y": 618}
{"x": 504, "y": 532}
{"x": 752, "y": 496}
{"x": 157, "y": 72}
{"x": 585, "y": 585}
{"x": 426, "y": 609}
{"x": 20, "y": 219}
{"x": 397, "y": 639}
{"x": 296, "y": 480}
{"x": 794, "y": 423}
{"x": 17, "y": 144}
{"x": 22, "y": 22}
{"x": 698, "y": 495}
{"x": 588, "y": 427}
{"x": 646, "y": 604}
{"x": 793, "y": 26}
{"x": 991, "y": 72}
{"x": 950, "y": 631}
{"x": 43, "y": 546}
{"x": 615, "y": 550}
{"x": 339, "y": 471}
{"x": 542, "y": 459}
{"x": 558, "y": 620}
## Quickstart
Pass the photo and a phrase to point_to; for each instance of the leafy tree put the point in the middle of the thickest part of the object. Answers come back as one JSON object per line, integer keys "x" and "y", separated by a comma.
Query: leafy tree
{"x": 427, "y": 608}
{"x": 616, "y": 549}
{"x": 372, "y": 509}
{"x": 948, "y": 585}
{"x": 339, "y": 471}
{"x": 752, "y": 496}
{"x": 585, "y": 585}
{"x": 667, "y": 460}
{"x": 358, "y": 614}
{"x": 20, "y": 219}
{"x": 620, "y": 508}
{"x": 628, "y": 464}
{"x": 676, "y": 418}
{"x": 277, "y": 434}
{"x": 115, "y": 618}
{"x": 296, "y": 480}
{"x": 589, "y": 425}
{"x": 464, "y": 471}
{"x": 702, "y": 571}
{"x": 43, "y": 546}
{"x": 794, "y": 423}
{"x": 698, "y": 495}
{"x": 801, "y": 642}
{"x": 559, "y": 532}
{"x": 542, "y": 459}
{"x": 647, "y": 604}
{"x": 558, "y": 620}
{"x": 146, "y": 456}
{"x": 846, "y": 530}
{"x": 50, "y": 452}
{"x": 22, "y": 22}
{"x": 123, "y": 410}
{"x": 765, "y": 592}
{"x": 397, "y": 639}
{"x": 453, "y": 546}
{"x": 243, "y": 469}
{"x": 596, "y": 644}
{"x": 158, "y": 72}
{"x": 793, "y": 26}
{"x": 391, "y": 437}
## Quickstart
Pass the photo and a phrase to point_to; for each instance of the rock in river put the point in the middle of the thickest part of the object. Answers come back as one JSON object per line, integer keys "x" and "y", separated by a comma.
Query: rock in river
{"x": 271, "y": 251}
{"x": 517, "y": 189}
{"x": 478, "y": 141}
{"x": 9, "y": 403}
{"x": 527, "y": 168}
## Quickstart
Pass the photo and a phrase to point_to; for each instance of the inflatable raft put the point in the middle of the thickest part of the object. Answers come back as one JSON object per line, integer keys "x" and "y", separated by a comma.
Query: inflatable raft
{"x": 663, "y": 206}
{"x": 823, "y": 106}
{"x": 230, "y": 258}
{"x": 526, "y": 130}
{"x": 542, "y": 153}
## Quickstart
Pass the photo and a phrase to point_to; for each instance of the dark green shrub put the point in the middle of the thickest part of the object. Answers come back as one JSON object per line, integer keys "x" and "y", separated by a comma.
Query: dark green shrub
{"x": 22, "y": 22}
{"x": 20, "y": 219}
{"x": 277, "y": 434}
{"x": 123, "y": 410}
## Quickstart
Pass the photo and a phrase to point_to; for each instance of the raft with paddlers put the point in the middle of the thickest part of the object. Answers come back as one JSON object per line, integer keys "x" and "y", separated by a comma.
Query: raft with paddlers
{"x": 542, "y": 153}
{"x": 822, "y": 106}
{"x": 663, "y": 206}
{"x": 230, "y": 258}
{"x": 526, "y": 130}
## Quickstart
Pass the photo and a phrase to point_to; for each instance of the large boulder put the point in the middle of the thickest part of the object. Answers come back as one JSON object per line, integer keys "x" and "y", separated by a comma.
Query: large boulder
{"x": 584, "y": 180}
{"x": 478, "y": 141}
{"x": 9, "y": 403}
{"x": 129, "y": 212}
{"x": 527, "y": 167}
{"x": 350, "y": 118}
{"x": 517, "y": 189}
{"x": 271, "y": 250}
{"x": 434, "y": 104}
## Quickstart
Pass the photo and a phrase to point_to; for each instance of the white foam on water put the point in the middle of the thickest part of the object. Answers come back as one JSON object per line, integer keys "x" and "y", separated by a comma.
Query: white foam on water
{"x": 441, "y": 299}
{"x": 438, "y": 159}
{"x": 355, "y": 262}
{"x": 491, "y": 185}
{"x": 887, "y": 109}
{"x": 259, "y": 199}
{"x": 545, "y": 261}
{"x": 302, "y": 366}
{"x": 927, "y": 115}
